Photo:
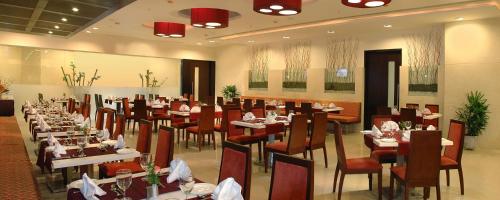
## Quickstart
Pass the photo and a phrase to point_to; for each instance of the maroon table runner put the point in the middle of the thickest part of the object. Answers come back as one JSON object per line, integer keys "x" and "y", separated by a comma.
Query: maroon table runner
{"x": 73, "y": 153}
{"x": 40, "y": 162}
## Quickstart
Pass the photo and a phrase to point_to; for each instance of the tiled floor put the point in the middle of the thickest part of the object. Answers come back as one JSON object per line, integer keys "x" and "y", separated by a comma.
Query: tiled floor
{"x": 480, "y": 167}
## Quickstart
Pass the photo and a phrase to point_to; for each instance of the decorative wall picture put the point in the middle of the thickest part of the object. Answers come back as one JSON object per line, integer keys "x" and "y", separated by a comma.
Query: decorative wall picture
{"x": 259, "y": 67}
{"x": 297, "y": 61}
{"x": 424, "y": 59}
{"x": 341, "y": 62}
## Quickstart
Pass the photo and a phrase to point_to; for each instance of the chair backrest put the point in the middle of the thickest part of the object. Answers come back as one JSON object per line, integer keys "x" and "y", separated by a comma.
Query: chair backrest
{"x": 99, "y": 122}
{"x": 236, "y": 162}
{"x": 136, "y": 97}
{"x": 71, "y": 105}
{"x": 126, "y": 107}
{"x": 292, "y": 178}
{"x": 86, "y": 98}
{"x": 383, "y": 110}
{"x": 142, "y": 97}
{"x": 424, "y": 159}
{"x": 120, "y": 126}
{"x": 175, "y": 105}
{"x": 96, "y": 99}
{"x": 339, "y": 144}
{"x": 140, "y": 110}
{"x": 260, "y": 103}
{"x": 220, "y": 101}
{"x": 207, "y": 117}
{"x": 412, "y": 105}
{"x": 247, "y": 105}
{"x": 233, "y": 113}
{"x": 193, "y": 103}
{"x": 110, "y": 119}
{"x": 210, "y": 100}
{"x": 434, "y": 108}
{"x": 408, "y": 114}
{"x": 165, "y": 147}
{"x": 306, "y": 109}
{"x": 298, "y": 134}
{"x": 274, "y": 128}
{"x": 237, "y": 101}
{"x": 318, "y": 133}
{"x": 378, "y": 120}
{"x": 157, "y": 96}
{"x": 144, "y": 139}
{"x": 456, "y": 133}
{"x": 289, "y": 105}
{"x": 185, "y": 95}
{"x": 101, "y": 103}
{"x": 259, "y": 111}
{"x": 151, "y": 96}
{"x": 86, "y": 110}
{"x": 191, "y": 97}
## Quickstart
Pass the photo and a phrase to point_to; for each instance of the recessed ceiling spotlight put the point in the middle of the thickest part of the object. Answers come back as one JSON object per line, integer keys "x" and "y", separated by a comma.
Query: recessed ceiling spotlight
{"x": 372, "y": 4}
{"x": 88, "y": 31}
{"x": 95, "y": 28}
{"x": 211, "y": 41}
{"x": 288, "y": 12}
{"x": 276, "y": 7}
{"x": 354, "y": 1}
{"x": 330, "y": 32}
{"x": 459, "y": 18}
{"x": 199, "y": 43}
{"x": 212, "y": 24}
{"x": 75, "y": 9}
{"x": 265, "y": 10}
{"x": 50, "y": 32}
{"x": 387, "y": 26}
{"x": 64, "y": 19}
{"x": 251, "y": 41}
{"x": 286, "y": 37}
{"x": 56, "y": 27}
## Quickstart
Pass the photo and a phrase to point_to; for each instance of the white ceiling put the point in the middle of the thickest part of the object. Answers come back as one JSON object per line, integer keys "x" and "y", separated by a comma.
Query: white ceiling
{"x": 134, "y": 19}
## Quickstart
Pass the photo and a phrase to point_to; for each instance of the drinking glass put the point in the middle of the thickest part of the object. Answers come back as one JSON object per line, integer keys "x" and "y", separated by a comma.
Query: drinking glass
{"x": 70, "y": 132}
{"x": 408, "y": 125}
{"x": 99, "y": 135}
{"x": 81, "y": 142}
{"x": 145, "y": 159}
{"x": 418, "y": 127}
{"x": 123, "y": 181}
{"x": 186, "y": 185}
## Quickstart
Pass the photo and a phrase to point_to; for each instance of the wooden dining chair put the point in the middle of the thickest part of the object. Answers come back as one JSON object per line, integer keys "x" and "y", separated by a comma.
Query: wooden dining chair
{"x": 162, "y": 115}
{"x": 423, "y": 163}
{"x": 236, "y": 162}
{"x": 127, "y": 111}
{"x": 381, "y": 154}
{"x": 408, "y": 114}
{"x": 289, "y": 105}
{"x": 412, "y": 105}
{"x": 236, "y": 101}
{"x": 292, "y": 178}
{"x": 205, "y": 127}
{"x": 452, "y": 157}
{"x": 434, "y": 108}
{"x": 383, "y": 110}
{"x": 140, "y": 112}
{"x": 136, "y": 97}
{"x": 178, "y": 122}
{"x": 220, "y": 101}
{"x": 260, "y": 103}
{"x": 110, "y": 119}
{"x": 165, "y": 147}
{"x": 247, "y": 105}
{"x": 221, "y": 127}
{"x": 107, "y": 170}
{"x": 71, "y": 105}
{"x": 119, "y": 127}
{"x": 296, "y": 141}
{"x": 364, "y": 165}
{"x": 318, "y": 136}
{"x": 99, "y": 122}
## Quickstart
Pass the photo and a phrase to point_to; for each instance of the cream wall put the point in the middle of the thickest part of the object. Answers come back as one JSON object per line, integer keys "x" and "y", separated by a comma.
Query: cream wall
{"x": 473, "y": 63}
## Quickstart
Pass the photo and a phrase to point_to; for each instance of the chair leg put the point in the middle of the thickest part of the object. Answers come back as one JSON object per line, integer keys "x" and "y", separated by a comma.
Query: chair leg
{"x": 266, "y": 158}
{"x": 326, "y": 157}
{"x": 461, "y": 176}
{"x": 341, "y": 183}
{"x": 213, "y": 139}
{"x": 133, "y": 127}
{"x": 304, "y": 154}
{"x": 370, "y": 182}
{"x": 379, "y": 179}
{"x": 438, "y": 192}
{"x": 178, "y": 136}
{"x": 200, "y": 135}
{"x": 407, "y": 192}
{"x": 128, "y": 124}
{"x": 427, "y": 191}
{"x": 259, "y": 146}
{"x": 448, "y": 177}
{"x": 312, "y": 154}
{"x": 337, "y": 169}
{"x": 391, "y": 187}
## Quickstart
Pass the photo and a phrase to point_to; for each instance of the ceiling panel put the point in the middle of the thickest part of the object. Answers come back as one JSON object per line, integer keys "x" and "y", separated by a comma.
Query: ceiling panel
{"x": 22, "y": 3}
{"x": 11, "y": 26}
{"x": 54, "y": 32}
{"x": 50, "y": 25}
{"x": 85, "y": 10}
{"x": 14, "y": 20}
{"x": 53, "y": 17}
{"x": 15, "y": 11}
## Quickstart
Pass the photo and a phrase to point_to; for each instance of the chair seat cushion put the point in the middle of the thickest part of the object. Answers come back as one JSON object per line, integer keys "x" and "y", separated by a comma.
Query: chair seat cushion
{"x": 363, "y": 165}
{"x": 277, "y": 147}
{"x": 192, "y": 129}
{"x": 181, "y": 125}
{"x": 244, "y": 139}
{"x": 110, "y": 168}
{"x": 448, "y": 162}
{"x": 218, "y": 127}
{"x": 399, "y": 171}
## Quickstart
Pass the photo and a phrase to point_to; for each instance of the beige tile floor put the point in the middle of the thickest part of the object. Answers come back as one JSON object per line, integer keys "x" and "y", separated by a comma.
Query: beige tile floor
{"x": 481, "y": 181}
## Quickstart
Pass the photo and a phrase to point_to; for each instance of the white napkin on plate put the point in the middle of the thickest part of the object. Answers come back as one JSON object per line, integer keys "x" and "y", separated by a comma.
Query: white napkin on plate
{"x": 120, "y": 143}
{"x": 157, "y": 101}
{"x": 394, "y": 111}
{"x": 331, "y": 105}
{"x": 178, "y": 170}
{"x": 419, "y": 114}
{"x": 317, "y": 106}
{"x": 228, "y": 189}
{"x": 273, "y": 103}
{"x": 79, "y": 119}
{"x": 248, "y": 116}
{"x": 218, "y": 108}
{"x": 44, "y": 126}
{"x": 51, "y": 139}
{"x": 184, "y": 108}
{"x": 431, "y": 128}
{"x": 89, "y": 189}
{"x": 376, "y": 132}
{"x": 426, "y": 111}
{"x": 58, "y": 150}
{"x": 195, "y": 109}
{"x": 105, "y": 134}
{"x": 290, "y": 116}
{"x": 390, "y": 125}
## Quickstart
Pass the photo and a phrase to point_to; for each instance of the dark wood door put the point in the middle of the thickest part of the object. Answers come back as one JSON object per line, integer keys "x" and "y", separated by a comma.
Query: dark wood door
{"x": 377, "y": 78}
{"x": 206, "y": 78}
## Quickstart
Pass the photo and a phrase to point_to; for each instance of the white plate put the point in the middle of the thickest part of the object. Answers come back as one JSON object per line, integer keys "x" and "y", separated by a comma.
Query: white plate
{"x": 109, "y": 142}
{"x": 124, "y": 151}
{"x": 388, "y": 140}
{"x": 367, "y": 132}
{"x": 203, "y": 189}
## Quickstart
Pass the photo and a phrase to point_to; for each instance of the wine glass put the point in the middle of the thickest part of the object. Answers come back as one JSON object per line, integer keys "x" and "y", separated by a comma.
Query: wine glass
{"x": 81, "y": 142}
{"x": 99, "y": 135}
{"x": 123, "y": 181}
{"x": 408, "y": 125}
{"x": 145, "y": 159}
{"x": 70, "y": 132}
{"x": 418, "y": 127}
{"x": 186, "y": 185}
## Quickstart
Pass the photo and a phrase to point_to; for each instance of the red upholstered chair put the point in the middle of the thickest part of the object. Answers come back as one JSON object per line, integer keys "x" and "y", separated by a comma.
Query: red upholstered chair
{"x": 318, "y": 136}
{"x": 292, "y": 178}
{"x": 205, "y": 126}
{"x": 381, "y": 154}
{"x": 99, "y": 122}
{"x": 408, "y": 114}
{"x": 143, "y": 146}
{"x": 193, "y": 103}
{"x": 220, "y": 101}
{"x": 434, "y": 109}
{"x": 165, "y": 147}
{"x": 127, "y": 112}
{"x": 236, "y": 162}
{"x": 306, "y": 109}
{"x": 163, "y": 114}
{"x": 236, "y": 101}
{"x": 412, "y": 106}
{"x": 247, "y": 105}
{"x": 260, "y": 103}
{"x": 178, "y": 122}
{"x": 289, "y": 105}
{"x": 222, "y": 126}
{"x": 296, "y": 142}
{"x": 422, "y": 168}
{"x": 259, "y": 112}
{"x": 345, "y": 166}
{"x": 452, "y": 158}
{"x": 140, "y": 112}
{"x": 71, "y": 105}
{"x": 120, "y": 126}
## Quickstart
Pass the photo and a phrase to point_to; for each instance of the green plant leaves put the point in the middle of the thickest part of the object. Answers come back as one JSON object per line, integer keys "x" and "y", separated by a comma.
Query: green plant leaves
{"x": 474, "y": 113}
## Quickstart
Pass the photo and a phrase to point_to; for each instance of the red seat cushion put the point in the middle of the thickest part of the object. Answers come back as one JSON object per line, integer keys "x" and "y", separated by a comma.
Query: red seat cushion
{"x": 244, "y": 139}
{"x": 399, "y": 171}
{"x": 111, "y": 168}
{"x": 192, "y": 129}
{"x": 384, "y": 154}
{"x": 181, "y": 125}
{"x": 448, "y": 162}
{"x": 277, "y": 147}
{"x": 218, "y": 127}
{"x": 363, "y": 165}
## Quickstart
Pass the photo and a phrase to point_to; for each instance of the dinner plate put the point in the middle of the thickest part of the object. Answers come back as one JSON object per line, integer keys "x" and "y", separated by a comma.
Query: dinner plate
{"x": 388, "y": 140}
{"x": 109, "y": 142}
{"x": 367, "y": 132}
{"x": 124, "y": 151}
{"x": 200, "y": 189}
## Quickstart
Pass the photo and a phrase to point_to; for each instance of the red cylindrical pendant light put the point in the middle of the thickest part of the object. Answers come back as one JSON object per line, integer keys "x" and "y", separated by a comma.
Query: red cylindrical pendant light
{"x": 365, "y": 3}
{"x": 169, "y": 29}
{"x": 209, "y": 18}
{"x": 278, "y": 7}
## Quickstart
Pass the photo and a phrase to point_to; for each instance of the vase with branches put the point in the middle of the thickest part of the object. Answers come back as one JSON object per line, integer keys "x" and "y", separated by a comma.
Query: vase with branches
{"x": 77, "y": 78}
{"x": 475, "y": 114}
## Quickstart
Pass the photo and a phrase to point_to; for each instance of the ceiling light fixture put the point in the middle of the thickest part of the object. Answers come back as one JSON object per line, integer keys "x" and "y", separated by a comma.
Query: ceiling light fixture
{"x": 75, "y": 9}
{"x": 459, "y": 18}
{"x": 365, "y": 3}
{"x": 56, "y": 27}
{"x": 95, "y": 28}
{"x": 286, "y": 37}
{"x": 169, "y": 29}
{"x": 209, "y": 18}
{"x": 64, "y": 19}
{"x": 211, "y": 41}
{"x": 50, "y": 32}
{"x": 251, "y": 41}
{"x": 88, "y": 31}
{"x": 278, "y": 7}
{"x": 387, "y": 26}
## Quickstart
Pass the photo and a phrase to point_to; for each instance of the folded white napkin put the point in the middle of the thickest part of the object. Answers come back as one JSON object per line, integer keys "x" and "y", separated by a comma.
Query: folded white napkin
{"x": 89, "y": 189}
{"x": 407, "y": 135}
{"x": 178, "y": 170}
{"x": 390, "y": 125}
{"x": 273, "y": 103}
{"x": 228, "y": 189}
{"x": 79, "y": 119}
{"x": 431, "y": 128}
{"x": 290, "y": 116}
{"x": 218, "y": 108}
{"x": 120, "y": 142}
{"x": 58, "y": 150}
{"x": 248, "y": 116}
{"x": 38, "y": 119}
{"x": 105, "y": 134}
{"x": 376, "y": 132}
{"x": 195, "y": 109}
{"x": 184, "y": 108}
{"x": 426, "y": 111}
{"x": 318, "y": 106}
{"x": 44, "y": 126}
{"x": 163, "y": 102}
{"x": 33, "y": 111}
{"x": 331, "y": 105}
{"x": 394, "y": 111}
{"x": 51, "y": 139}
{"x": 157, "y": 101}
{"x": 419, "y": 114}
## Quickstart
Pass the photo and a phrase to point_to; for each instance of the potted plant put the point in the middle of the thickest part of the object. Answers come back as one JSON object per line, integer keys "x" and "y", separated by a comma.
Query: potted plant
{"x": 474, "y": 113}
{"x": 230, "y": 91}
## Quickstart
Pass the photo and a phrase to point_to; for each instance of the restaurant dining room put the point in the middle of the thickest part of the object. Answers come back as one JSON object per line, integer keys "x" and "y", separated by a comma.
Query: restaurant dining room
{"x": 249, "y": 99}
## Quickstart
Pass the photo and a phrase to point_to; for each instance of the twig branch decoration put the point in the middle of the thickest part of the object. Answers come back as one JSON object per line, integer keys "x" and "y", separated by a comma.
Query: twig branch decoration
{"x": 341, "y": 57}
{"x": 77, "y": 78}
{"x": 259, "y": 65}
{"x": 150, "y": 79}
{"x": 297, "y": 61}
